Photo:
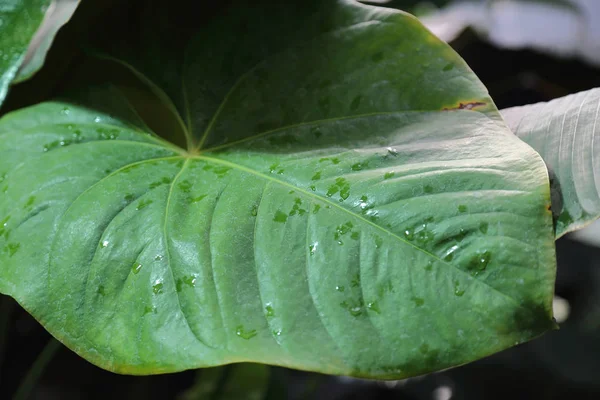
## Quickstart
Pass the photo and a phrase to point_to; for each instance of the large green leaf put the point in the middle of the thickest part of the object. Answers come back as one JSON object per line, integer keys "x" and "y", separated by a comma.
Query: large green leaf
{"x": 349, "y": 202}
{"x": 563, "y": 131}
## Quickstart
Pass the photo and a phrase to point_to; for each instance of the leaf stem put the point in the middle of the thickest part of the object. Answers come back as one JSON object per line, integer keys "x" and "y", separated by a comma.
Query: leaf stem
{"x": 28, "y": 383}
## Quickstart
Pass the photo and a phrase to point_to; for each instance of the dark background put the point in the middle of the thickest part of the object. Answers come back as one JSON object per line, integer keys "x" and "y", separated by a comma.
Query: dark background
{"x": 563, "y": 364}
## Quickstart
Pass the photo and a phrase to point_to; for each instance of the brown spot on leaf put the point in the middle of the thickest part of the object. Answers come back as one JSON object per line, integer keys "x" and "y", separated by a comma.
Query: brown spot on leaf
{"x": 466, "y": 106}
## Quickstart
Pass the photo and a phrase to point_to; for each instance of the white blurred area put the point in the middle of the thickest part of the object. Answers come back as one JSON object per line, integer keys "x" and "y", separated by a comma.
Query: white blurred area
{"x": 589, "y": 235}
{"x": 566, "y": 28}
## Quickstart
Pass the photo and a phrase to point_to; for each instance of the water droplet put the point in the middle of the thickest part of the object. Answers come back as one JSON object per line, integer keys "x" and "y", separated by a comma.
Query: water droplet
{"x": 65, "y": 111}
{"x": 418, "y": 301}
{"x": 30, "y": 202}
{"x": 373, "y": 306}
{"x": 277, "y": 332}
{"x": 340, "y": 288}
{"x": 313, "y": 248}
{"x": 408, "y": 234}
{"x": 462, "y": 208}
{"x": 457, "y": 290}
{"x": 245, "y": 334}
{"x": 149, "y": 310}
{"x": 185, "y": 186}
{"x": 450, "y": 253}
{"x": 280, "y": 217}
{"x": 104, "y": 244}
{"x": 388, "y": 175}
{"x": 378, "y": 242}
{"x": 97, "y": 119}
{"x": 157, "y": 288}
{"x": 355, "y": 282}
{"x": 143, "y": 204}
{"x": 158, "y": 258}
{"x": 254, "y": 210}
{"x": 316, "y": 131}
{"x": 429, "y": 266}
{"x": 270, "y": 312}
{"x": 393, "y": 152}
{"x": 359, "y": 166}
{"x": 198, "y": 199}
{"x": 479, "y": 262}
{"x": 13, "y": 248}
{"x": 424, "y": 348}
{"x": 483, "y": 227}
{"x": 364, "y": 202}
{"x": 316, "y": 176}
{"x": 101, "y": 290}
{"x": 355, "y": 235}
{"x": 428, "y": 189}
{"x": 448, "y": 67}
{"x": 136, "y": 268}
{"x": 354, "y": 309}
{"x": 316, "y": 208}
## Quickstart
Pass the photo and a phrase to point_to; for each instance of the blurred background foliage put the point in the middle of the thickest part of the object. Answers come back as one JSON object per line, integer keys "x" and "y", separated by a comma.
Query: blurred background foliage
{"x": 524, "y": 51}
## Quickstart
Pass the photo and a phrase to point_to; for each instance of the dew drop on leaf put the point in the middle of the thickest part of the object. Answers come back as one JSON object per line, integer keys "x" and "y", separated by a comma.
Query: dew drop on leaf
{"x": 157, "y": 288}
{"x": 373, "y": 306}
{"x": 136, "y": 268}
{"x": 270, "y": 312}
{"x": 245, "y": 334}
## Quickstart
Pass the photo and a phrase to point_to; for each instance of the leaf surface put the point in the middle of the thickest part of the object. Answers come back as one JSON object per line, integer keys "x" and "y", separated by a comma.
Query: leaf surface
{"x": 349, "y": 201}
{"x": 566, "y": 132}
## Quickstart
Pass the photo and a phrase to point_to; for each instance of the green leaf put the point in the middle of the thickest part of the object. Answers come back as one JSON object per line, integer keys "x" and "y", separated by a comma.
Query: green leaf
{"x": 19, "y": 20}
{"x": 563, "y": 131}
{"x": 349, "y": 202}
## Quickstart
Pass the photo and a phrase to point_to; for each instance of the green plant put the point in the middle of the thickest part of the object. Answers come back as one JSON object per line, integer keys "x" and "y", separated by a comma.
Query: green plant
{"x": 321, "y": 185}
